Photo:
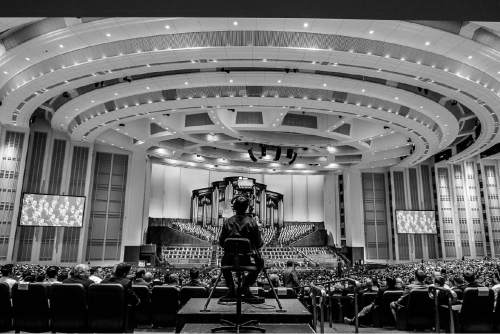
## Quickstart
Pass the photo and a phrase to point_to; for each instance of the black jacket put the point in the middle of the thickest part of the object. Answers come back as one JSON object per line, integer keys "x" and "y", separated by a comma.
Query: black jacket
{"x": 130, "y": 295}
{"x": 241, "y": 226}
{"x": 83, "y": 281}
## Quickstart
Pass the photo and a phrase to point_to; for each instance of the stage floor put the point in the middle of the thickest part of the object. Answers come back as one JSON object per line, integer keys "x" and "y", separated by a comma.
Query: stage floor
{"x": 270, "y": 328}
{"x": 191, "y": 313}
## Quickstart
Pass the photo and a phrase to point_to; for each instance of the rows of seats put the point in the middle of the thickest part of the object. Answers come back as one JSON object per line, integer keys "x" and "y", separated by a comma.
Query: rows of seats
{"x": 187, "y": 255}
{"x": 477, "y": 311}
{"x": 291, "y": 233}
{"x": 38, "y": 307}
{"x": 268, "y": 234}
{"x": 194, "y": 230}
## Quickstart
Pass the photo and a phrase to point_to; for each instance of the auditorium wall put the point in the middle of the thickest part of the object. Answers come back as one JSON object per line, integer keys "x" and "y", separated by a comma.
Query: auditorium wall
{"x": 171, "y": 187}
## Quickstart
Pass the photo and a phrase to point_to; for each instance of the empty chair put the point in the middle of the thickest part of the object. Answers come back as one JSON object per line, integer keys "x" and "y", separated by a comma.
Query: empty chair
{"x": 68, "y": 306}
{"x": 476, "y": 312}
{"x": 30, "y": 305}
{"x": 420, "y": 313}
{"x": 188, "y": 292}
{"x": 107, "y": 308}
{"x": 5, "y": 308}
{"x": 142, "y": 312}
{"x": 164, "y": 305}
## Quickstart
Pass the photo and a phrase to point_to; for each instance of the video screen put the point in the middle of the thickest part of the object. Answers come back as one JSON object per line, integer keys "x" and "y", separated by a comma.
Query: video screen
{"x": 52, "y": 210}
{"x": 416, "y": 222}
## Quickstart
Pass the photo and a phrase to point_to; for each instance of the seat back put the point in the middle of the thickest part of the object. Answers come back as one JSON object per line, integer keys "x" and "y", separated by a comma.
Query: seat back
{"x": 142, "y": 312}
{"x": 5, "y": 308}
{"x": 385, "y": 317}
{"x": 188, "y": 292}
{"x": 283, "y": 293}
{"x": 367, "y": 298}
{"x": 164, "y": 305}
{"x": 477, "y": 310}
{"x": 220, "y": 291}
{"x": 68, "y": 306}
{"x": 421, "y": 310}
{"x": 107, "y": 308}
{"x": 30, "y": 305}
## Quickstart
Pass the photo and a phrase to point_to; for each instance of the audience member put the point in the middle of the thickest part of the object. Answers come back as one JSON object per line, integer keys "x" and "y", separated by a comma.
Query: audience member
{"x": 7, "y": 273}
{"x": 51, "y": 274}
{"x": 80, "y": 274}
{"x": 418, "y": 284}
{"x": 95, "y": 274}
{"x": 290, "y": 277}
{"x": 120, "y": 277}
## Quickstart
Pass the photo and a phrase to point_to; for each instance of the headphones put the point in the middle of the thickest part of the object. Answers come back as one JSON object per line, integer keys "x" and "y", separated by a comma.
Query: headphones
{"x": 239, "y": 196}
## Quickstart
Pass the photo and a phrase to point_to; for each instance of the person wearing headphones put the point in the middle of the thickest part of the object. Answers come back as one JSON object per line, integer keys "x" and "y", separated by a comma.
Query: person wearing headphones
{"x": 242, "y": 225}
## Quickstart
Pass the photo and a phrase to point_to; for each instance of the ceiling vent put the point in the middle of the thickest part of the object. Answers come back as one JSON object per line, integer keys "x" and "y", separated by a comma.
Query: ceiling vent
{"x": 305, "y": 121}
{"x": 344, "y": 129}
{"x": 198, "y": 120}
{"x": 155, "y": 128}
{"x": 249, "y": 117}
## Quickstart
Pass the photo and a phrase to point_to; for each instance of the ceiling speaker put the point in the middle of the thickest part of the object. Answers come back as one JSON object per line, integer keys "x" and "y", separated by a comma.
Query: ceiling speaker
{"x": 293, "y": 158}
{"x": 250, "y": 153}
{"x": 289, "y": 153}
{"x": 263, "y": 151}
{"x": 278, "y": 154}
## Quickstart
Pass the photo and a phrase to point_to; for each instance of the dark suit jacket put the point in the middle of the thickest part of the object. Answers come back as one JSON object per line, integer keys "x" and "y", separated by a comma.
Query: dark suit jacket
{"x": 409, "y": 288}
{"x": 290, "y": 278}
{"x": 241, "y": 227}
{"x": 380, "y": 294}
{"x": 83, "y": 281}
{"x": 131, "y": 297}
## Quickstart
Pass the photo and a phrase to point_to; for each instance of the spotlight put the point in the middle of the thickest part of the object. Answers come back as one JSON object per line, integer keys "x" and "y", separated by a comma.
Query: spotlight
{"x": 250, "y": 153}
{"x": 289, "y": 153}
{"x": 293, "y": 158}
{"x": 263, "y": 151}
{"x": 278, "y": 154}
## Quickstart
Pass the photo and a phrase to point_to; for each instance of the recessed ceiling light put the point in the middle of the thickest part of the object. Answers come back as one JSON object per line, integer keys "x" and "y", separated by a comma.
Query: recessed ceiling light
{"x": 396, "y": 98}
{"x": 427, "y": 43}
{"x": 279, "y": 81}
{"x": 61, "y": 46}
{"x": 167, "y": 27}
{"x": 148, "y": 88}
{"x": 108, "y": 35}
{"x": 27, "y": 59}
{"x": 5, "y": 72}
{"x": 235, "y": 23}
{"x": 264, "y": 60}
{"x": 306, "y": 24}
{"x": 324, "y": 85}
{"x": 363, "y": 90}
{"x": 186, "y": 83}
{"x": 230, "y": 80}
{"x": 116, "y": 94}
{"x": 371, "y": 32}
{"x": 469, "y": 57}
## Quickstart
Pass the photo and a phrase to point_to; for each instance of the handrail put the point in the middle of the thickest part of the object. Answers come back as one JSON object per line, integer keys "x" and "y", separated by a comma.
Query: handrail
{"x": 315, "y": 289}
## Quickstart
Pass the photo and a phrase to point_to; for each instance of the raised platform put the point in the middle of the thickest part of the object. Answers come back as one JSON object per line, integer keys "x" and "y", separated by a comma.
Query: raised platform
{"x": 270, "y": 328}
{"x": 191, "y": 313}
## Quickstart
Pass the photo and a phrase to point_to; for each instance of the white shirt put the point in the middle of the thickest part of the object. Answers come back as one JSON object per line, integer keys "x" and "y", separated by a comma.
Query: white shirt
{"x": 8, "y": 280}
{"x": 95, "y": 279}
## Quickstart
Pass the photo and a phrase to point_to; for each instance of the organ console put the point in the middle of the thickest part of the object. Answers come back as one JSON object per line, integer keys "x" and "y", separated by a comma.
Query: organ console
{"x": 210, "y": 206}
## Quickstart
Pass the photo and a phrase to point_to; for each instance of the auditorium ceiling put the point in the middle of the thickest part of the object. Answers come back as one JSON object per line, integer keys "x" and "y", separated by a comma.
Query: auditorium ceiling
{"x": 238, "y": 93}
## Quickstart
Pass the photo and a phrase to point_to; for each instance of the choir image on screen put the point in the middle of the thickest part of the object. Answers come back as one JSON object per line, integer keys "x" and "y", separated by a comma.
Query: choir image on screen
{"x": 52, "y": 210}
{"x": 416, "y": 222}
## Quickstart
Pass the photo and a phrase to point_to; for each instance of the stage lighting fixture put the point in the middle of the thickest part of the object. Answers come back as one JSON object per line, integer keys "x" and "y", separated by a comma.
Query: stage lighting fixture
{"x": 293, "y": 158}
{"x": 289, "y": 153}
{"x": 263, "y": 151}
{"x": 278, "y": 154}
{"x": 250, "y": 153}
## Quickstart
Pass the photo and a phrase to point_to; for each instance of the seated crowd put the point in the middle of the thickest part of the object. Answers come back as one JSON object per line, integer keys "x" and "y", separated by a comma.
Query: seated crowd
{"x": 194, "y": 230}
{"x": 452, "y": 276}
{"x": 291, "y": 233}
